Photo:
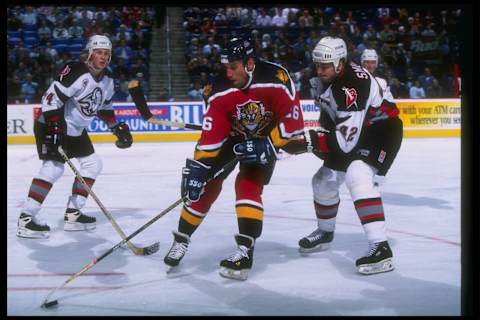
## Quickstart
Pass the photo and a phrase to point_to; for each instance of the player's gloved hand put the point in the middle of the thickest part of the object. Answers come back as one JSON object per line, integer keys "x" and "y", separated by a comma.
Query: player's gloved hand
{"x": 124, "y": 138}
{"x": 258, "y": 151}
{"x": 385, "y": 111}
{"x": 194, "y": 177}
{"x": 53, "y": 137}
{"x": 317, "y": 141}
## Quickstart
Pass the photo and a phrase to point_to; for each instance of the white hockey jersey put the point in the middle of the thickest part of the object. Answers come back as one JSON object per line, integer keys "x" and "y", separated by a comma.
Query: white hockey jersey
{"x": 81, "y": 95}
{"x": 345, "y": 103}
{"x": 387, "y": 95}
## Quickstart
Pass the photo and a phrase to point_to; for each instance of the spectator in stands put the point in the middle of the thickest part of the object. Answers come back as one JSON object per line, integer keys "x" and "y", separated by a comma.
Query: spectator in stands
{"x": 220, "y": 18}
{"x": 194, "y": 48}
{"x": 387, "y": 35}
{"x": 248, "y": 17}
{"x": 263, "y": 20}
{"x": 417, "y": 91}
{"x": 139, "y": 39}
{"x": 429, "y": 31}
{"x": 29, "y": 18}
{"x": 60, "y": 32}
{"x": 123, "y": 34}
{"x": 123, "y": 51}
{"x": 197, "y": 65}
{"x": 305, "y": 20}
{"x": 22, "y": 71}
{"x": 435, "y": 90}
{"x": 85, "y": 19}
{"x": 51, "y": 51}
{"x": 426, "y": 78}
{"x": 278, "y": 19}
{"x": 208, "y": 28}
{"x": 44, "y": 32}
{"x": 14, "y": 86}
{"x": 95, "y": 28}
{"x": 75, "y": 31}
{"x": 196, "y": 92}
{"x": 139, "y": 66}
{"x": 207, "y": 48}
{"x": 398, "y": 89}
{"x": 28, "y": 89}
{"x": 370, "y": 34}
{"x": 119, "y": 68}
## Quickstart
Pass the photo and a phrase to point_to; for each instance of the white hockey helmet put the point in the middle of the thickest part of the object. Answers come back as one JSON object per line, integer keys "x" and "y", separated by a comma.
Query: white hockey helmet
{"x": 99, "y": 42}
{"x": 330, "y": 49}
{"x": 369, "y": 55}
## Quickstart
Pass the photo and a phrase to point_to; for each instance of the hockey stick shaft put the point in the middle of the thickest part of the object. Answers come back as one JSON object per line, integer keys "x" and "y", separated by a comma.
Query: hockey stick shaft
{"x": 115, "y": 247}
{"x": 138, "y": 97}
{"x": 136, "y": 250}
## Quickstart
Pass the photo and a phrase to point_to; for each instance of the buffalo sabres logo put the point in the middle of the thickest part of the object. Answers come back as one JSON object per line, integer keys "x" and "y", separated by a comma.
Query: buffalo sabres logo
{"x": 90, "y": 103}
{"x": 350, "y": 97}
{"x": 251, "y": 118}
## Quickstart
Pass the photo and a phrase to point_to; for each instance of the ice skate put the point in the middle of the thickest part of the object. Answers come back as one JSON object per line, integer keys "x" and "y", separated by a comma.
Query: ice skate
{"x": 239, "y": 264}
{"x": 75, "y": 220}
{"x": 28, "y": 227}
{"x": 177, "y": 251}
{"x": 318, "y": 240}
{"x": 378, "y": 259}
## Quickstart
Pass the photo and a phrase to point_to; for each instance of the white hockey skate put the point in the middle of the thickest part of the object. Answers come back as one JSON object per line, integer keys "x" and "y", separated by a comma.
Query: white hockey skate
{"x": 75, "y": 220}
{"x": 28, "y": 227}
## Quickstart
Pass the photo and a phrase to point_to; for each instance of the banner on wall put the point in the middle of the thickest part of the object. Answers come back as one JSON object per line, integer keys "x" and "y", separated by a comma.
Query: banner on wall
{"x": 421, "y": 118}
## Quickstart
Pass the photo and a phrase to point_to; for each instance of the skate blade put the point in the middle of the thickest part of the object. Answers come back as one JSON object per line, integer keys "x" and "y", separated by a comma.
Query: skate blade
{"x": 379, "y": 267}
{"x": 76, "y": 226}
{"x": 29, "y": 234}
{"x": 320, "y": 247}
{"x": 170, "y": 269}
{"x": 234, "y": 274}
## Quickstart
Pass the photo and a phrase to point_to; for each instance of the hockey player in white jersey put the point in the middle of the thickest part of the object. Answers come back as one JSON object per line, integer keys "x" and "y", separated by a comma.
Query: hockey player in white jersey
{"x": 81, "y": 91}
{"x": 369, "y": 60}
{"x": 365, "y": 136}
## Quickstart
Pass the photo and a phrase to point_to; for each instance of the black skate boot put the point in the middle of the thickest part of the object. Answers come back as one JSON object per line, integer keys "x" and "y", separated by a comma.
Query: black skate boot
{"x": 75, "y": 220}
{"x": 28, "y": 227}
{"x": 318, "y": 240}
{"x": 239, "y": 264}
{"x": 177, "y": 251}
{"x": 378, "y": 259}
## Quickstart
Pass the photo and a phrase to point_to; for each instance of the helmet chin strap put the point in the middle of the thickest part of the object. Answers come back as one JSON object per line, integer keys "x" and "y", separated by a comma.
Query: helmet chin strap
{"x": 250, "y": 76}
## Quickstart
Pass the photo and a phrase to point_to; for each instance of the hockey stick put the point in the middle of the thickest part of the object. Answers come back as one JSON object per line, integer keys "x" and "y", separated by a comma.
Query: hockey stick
{"x": 48, "y": 304}
{"x": 136, "y": 250}
{"x": 138, "y": 98}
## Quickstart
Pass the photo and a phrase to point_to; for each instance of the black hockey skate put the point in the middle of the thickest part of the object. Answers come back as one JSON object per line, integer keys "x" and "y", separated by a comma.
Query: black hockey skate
{"x": 177, "y": 251}
{"x": 239, "y": 264}
{"x": 318, "y": 240}
{"x": 378, "y": 259}
{"x": 75, "y": 220}
{"x": 28, "y": 227}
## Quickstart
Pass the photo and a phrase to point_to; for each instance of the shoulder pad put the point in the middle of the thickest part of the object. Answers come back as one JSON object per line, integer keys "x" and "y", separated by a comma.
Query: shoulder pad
{"x": 352, "y": 89}
{"x": 269, "y": 72}
{"x": 69, "y": 73}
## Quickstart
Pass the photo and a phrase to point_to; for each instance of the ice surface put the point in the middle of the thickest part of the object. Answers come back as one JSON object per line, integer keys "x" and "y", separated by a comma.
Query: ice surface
{"x": 421, "y": 197}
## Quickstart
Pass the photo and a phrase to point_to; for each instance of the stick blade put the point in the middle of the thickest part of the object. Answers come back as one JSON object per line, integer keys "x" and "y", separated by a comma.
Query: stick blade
{"x": 151, "y": 249}
{"x": 49, "y": 304}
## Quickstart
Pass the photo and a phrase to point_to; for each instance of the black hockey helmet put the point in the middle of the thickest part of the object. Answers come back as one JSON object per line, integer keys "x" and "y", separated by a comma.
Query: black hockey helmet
{"x": 237, "y": 48}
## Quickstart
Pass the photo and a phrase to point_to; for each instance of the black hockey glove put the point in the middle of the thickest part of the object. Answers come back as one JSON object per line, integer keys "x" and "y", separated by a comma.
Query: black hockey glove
{"x": 54, "y": 136}
{"x": 194, "y": 177}
{"x": 124, "y": 138}
{"x": 259, "y": 151}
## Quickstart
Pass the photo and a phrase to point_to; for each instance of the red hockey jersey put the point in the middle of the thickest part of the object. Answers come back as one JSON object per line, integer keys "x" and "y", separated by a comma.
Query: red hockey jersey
{"x": 267, "y": 106}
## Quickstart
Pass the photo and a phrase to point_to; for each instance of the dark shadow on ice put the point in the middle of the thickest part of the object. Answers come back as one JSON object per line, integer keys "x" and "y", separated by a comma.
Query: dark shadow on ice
{"x": 72, "y": 256}
{"x": 408, "y": 200}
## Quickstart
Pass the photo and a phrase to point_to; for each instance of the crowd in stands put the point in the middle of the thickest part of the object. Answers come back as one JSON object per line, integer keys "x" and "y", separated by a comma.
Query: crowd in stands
{"x": 417, "y": 49}
{"x": 41, "y": 39}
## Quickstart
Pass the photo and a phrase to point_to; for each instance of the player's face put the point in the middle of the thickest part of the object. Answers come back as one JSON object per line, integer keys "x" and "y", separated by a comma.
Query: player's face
{"x": 326, "y": 72}
{"x": 236, "y": 73}
{"x": 99, "y": 58}
{"x": 370, "y": 65}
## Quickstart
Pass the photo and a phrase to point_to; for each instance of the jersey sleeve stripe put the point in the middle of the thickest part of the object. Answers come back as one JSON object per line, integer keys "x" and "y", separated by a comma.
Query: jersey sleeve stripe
{"x": 211, "y": 147}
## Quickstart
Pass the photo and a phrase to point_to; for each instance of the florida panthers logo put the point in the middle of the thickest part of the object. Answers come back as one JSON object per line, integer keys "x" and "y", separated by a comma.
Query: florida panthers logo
{"x": 251, "y": 118}
{"x": 350, "y": 97}
{"x": 90, "y": 103}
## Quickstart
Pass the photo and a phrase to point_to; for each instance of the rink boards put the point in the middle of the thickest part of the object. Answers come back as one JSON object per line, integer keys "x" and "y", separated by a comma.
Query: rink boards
{"x": 421, "y": 118}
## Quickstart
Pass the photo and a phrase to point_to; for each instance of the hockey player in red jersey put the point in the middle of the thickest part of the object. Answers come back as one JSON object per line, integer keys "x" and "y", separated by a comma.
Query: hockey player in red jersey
{"x": 252, "y": 111}
{"x": 81, "y": 91}
{"x": 365, "y": 136}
